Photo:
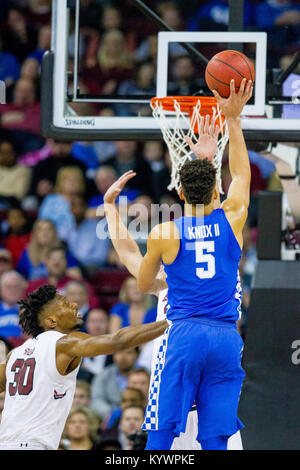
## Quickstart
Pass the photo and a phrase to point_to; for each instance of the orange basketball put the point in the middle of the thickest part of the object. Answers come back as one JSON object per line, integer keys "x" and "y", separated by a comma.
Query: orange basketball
{"x": 225, "y": 66}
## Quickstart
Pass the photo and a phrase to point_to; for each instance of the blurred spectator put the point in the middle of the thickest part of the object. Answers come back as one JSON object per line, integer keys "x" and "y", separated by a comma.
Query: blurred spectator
{"x": 76, "y": 291}
{"x": 127, "y": 158}
{"x": 43, "y": 45}
{"x": 111, "y": 19}
{"x": 142, "y": 84}
{"x": 140, "y": 379}
{"x": 147, "y": 50}
{"x": 19, "y": 38}
{"x": 71, "y": 41}
{"x": 113, "y": 67}
{"x": 154, "y": 154}
{"x": 56, "y": 262}
{"x": 12, "y": 286}
{"x": 258, "y": 183}
{"x": 9, "y": 67}
{"x": 39, "y": 12}
{"x": 130, "y": 396}
{"x": 82, "y": 395}
{"x": 46, "y": 164}
{"x": 133, "y": 307}
{"x": 171, "y": 15}
{"x": 17, "y": 233}
{"x": 104, "y": 178}
{"x": 32, "y": 263}
{"x": 96, "y": 324}
{"x": 131, "y": 421}
{"x": 6, "y": 262}
{"x": 107, "y": 387}
{"x": 277, "y": 13}
{"x": 267, "y": 169}
{"x": 281, "y": 20}
{"x": 104, "y": 149}
{"x": 81, "y": 430}
{"x": 30, "y": 70}
{"x": 22, "y": 116}
{"x": 184, "y": 78}
{"x": 70, "y": 182}
{"x": 14, "y": 178}
{"x": 91, "y": 251}
{"x": 214, "y": 16}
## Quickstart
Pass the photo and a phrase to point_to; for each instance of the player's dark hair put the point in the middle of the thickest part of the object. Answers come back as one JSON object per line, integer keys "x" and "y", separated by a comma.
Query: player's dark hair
{"x": 31, "y": 307}
{"x": 198, "y": 179}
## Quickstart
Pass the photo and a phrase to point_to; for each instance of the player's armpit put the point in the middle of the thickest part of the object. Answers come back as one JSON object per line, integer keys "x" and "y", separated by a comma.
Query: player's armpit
{"x": 236, "y": 212}
{"x": 152, "y": 260}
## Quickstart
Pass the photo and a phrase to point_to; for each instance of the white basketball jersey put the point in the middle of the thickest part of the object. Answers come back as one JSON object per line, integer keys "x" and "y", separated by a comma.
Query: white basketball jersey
{"x": 38, "y": 398}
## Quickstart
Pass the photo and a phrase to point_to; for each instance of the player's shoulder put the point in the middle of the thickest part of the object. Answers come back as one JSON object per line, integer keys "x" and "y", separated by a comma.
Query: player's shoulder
{"x": 234, "y": 207}
{"x": 164, "y": 231}
{"x": 72, "y": 337}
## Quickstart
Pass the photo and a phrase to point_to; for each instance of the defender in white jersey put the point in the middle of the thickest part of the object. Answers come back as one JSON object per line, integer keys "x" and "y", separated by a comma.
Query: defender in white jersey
{"x": 39, "y": 377}
{"x": 130, "y": 256}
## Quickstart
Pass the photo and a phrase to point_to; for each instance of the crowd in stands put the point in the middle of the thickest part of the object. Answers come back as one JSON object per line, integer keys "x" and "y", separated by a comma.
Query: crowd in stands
{"x": 51, "y": 192}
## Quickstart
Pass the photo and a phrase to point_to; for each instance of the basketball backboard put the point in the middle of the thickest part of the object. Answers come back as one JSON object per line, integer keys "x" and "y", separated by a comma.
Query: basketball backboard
{"x": 64, "y": 94}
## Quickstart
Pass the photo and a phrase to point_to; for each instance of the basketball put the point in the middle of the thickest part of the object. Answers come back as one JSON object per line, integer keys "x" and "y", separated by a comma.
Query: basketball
{"x": 225, "y": 66}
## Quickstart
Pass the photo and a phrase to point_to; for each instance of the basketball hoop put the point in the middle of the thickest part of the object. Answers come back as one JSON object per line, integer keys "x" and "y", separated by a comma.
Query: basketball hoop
{"x": 179, "y": 116}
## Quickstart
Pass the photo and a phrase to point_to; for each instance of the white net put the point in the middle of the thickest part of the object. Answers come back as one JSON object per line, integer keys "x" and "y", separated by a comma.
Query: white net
{"x": 177, "y": 124}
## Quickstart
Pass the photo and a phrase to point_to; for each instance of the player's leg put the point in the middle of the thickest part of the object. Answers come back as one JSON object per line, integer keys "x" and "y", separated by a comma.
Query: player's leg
{"x": 175, "y": 383}
{"x": 215, "y": 443}
{"x": 219, "y": 391}
{"x": 160, "y": 440}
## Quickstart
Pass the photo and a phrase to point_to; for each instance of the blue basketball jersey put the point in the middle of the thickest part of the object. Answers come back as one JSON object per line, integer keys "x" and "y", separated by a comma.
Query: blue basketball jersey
{"x": 203, "y": 280}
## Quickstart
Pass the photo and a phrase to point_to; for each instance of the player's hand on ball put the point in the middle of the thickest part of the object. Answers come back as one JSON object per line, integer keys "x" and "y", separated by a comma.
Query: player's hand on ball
{"x": 206, "y": 146}
{"x": 115, "y": 189}
{"x": 233, "y": 106}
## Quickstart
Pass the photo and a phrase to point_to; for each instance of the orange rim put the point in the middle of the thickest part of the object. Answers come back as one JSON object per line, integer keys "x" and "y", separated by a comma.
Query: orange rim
{"x": 187, "y": 104}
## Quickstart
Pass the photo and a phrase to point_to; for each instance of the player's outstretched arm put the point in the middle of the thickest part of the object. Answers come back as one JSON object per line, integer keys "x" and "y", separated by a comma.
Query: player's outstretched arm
{"x": 125, "y": 246}
{"x": 237, "y": 202}
{"x": 76, "y": 345}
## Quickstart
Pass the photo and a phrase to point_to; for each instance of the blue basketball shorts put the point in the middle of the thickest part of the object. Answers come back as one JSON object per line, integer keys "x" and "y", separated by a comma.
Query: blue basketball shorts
{"x": 199, "y": 361}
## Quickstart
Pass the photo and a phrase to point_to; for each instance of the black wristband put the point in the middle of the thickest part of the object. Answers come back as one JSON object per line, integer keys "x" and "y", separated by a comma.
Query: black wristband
{"x": 287, "y": 177}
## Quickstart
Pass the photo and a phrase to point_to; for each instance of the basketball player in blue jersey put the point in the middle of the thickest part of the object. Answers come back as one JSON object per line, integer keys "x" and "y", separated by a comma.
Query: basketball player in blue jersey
{"x": 200, "y": 356}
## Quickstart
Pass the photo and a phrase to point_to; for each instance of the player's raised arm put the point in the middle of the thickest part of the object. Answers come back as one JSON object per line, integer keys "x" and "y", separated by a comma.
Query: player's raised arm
{"x": 207, "y": 143}
{"x": 125, "y": 246}
{"x": 77, "y": 344}
{"x": 162, "y": 245}
{"x": 237, "y": 202}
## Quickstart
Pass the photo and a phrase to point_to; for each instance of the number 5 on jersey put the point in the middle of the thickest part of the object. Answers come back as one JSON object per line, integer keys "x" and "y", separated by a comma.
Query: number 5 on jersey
{"x": 205, "y": 257}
